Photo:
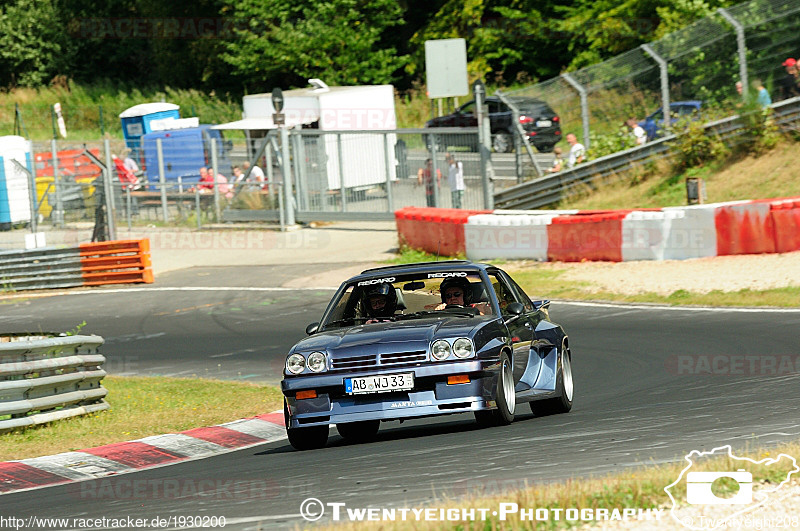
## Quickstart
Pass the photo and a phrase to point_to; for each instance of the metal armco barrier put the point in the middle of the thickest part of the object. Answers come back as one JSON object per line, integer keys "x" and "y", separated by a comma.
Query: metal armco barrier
{"x": 44, "y": 379}
{"x": 555, "y": 187}
{"x": 88, "y": 264}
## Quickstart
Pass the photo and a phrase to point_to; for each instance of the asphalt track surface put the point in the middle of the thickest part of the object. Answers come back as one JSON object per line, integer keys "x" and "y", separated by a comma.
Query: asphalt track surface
{"x": 643, "y": 395}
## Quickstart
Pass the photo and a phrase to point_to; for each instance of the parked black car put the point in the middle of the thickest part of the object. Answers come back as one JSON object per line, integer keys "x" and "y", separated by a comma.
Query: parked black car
{"x": 540, "y": 122}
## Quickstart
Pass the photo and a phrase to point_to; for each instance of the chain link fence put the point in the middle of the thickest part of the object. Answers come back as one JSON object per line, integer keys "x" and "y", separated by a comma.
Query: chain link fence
{"x": 748, "y": 43}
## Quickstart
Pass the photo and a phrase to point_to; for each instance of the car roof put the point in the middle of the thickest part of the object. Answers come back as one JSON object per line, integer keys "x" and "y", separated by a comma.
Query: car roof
{"x": 420, "y": 267}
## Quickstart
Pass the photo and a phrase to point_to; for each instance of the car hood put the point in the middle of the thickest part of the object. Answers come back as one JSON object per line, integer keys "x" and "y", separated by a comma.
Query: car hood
{"x": 397, "y": 336}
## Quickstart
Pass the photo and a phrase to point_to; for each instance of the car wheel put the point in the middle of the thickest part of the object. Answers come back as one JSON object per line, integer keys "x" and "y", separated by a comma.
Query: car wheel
{"x": 505, "y": 396}
{"x": 304, "y": 438}
{"x": 563, "y": 402}
{"x": 359, "y": 431}
{"x": 502, "y": 143}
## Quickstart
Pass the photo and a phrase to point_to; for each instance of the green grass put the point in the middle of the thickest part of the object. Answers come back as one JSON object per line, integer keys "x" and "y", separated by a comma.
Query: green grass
{"x": 142, "y": 406}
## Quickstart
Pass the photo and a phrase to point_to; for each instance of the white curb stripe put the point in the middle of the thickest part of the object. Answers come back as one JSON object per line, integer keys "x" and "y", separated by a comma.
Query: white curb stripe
{"x": 183, "y": 444}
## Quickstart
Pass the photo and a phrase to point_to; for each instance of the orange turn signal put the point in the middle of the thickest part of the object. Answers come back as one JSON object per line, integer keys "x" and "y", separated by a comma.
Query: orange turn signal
{"x": 463, "y": 378}
{"x": 306, "y": 394}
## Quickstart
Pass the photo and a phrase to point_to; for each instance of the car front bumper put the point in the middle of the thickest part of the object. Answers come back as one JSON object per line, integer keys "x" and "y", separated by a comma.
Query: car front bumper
{"x": 431, "y": 396}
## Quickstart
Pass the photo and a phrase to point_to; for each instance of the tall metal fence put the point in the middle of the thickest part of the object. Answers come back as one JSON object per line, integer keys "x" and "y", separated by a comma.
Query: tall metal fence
{"x": 747, "y": 43}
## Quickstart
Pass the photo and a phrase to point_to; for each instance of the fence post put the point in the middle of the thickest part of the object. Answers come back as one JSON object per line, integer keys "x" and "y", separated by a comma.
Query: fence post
{"x": 162, "y": 180}
{"x": 57, "y": 213}
{"x": 435, "y": 171}
{"x": 109, "y": 191}
{"x": 741, "y": 46}
{"x": 389, "y": 196}
{"x": 216, "y": 177}
{"x": 662, "y": 65}
{"x": 286, "y": 171}
{"x": 268, "y": 169}
{"x": 32, "y": 195}
{"x": 343, "y": 191}
{"x": 584, "y": 106}
{"x": 484, "y": 143}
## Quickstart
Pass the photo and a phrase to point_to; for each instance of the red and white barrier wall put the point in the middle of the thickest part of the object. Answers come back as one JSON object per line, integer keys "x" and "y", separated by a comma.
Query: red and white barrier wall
{"x": 673, "y": 233}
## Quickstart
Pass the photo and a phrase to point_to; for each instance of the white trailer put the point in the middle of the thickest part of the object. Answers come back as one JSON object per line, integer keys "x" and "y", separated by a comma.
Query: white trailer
{"x": 340, "y": 111}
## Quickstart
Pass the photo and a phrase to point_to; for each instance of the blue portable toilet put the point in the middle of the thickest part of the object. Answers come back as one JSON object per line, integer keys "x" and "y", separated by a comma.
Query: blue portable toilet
{"x": 15, "y": 199}
{"x": 185, "y": 151}
{"x": 136, "y": 122}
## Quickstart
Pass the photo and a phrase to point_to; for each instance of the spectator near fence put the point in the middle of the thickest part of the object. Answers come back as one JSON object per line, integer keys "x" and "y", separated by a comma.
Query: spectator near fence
{"x": 790, "y": 83}
{"x": 425, "y": 175}
{"x": 558, "y": 162}
{"x": 256, "y": 175}
{"x": 577, "y": 152}
{"x": 639, "y": 135}
{"x": 455, "y": 178}
{"x": 763, "y": 95}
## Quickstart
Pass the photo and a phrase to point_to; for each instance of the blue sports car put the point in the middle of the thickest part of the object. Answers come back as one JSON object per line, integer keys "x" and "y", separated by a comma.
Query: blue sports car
{"x": 422, "y": 340}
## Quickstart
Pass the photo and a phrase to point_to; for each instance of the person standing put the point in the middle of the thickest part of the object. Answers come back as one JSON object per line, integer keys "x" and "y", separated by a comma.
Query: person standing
{"x": 455, "y": 178}
{"x": 558, "y": 162}
{"x": 577, "y": 152}
{"x": 790, "y": 83}
{"x": 425, "y": 175}
{"x": 640, "y": 137}
{"x": 763, "y": 96}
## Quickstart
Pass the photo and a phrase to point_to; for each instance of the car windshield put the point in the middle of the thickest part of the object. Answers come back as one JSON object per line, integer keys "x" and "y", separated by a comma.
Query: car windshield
{"x": 409, "y": 296}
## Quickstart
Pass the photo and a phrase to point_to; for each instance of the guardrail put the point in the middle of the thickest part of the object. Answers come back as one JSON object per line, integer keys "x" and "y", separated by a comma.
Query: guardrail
{"x": 44, "y": 379}
{"x": 88, "y": 264}
{"x": 553, "y": 188}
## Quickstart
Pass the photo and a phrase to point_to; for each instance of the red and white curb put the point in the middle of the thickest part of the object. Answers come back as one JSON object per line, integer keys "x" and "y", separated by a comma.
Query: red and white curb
{"x": 149, "y": 452}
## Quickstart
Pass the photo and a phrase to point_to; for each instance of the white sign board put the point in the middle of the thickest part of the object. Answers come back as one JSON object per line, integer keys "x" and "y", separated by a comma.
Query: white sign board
{"x": 446, "y": 68}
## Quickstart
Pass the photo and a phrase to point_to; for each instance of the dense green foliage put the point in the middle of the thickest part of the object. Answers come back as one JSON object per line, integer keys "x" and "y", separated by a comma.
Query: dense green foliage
{"x": 237, "y": 46}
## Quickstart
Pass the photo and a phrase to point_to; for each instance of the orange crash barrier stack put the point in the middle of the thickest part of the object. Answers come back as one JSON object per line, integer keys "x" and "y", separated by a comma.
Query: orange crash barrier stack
{"x": 116, "y": 262}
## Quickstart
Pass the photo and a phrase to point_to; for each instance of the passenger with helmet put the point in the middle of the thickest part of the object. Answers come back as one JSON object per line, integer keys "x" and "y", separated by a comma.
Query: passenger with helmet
{"x": 380, "y": 302}
{"x": 457, "y": 291}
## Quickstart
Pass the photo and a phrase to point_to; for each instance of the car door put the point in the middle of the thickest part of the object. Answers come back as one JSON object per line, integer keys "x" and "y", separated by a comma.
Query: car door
{"x": 520, "y": 329}
{"x": 466, "y": 115}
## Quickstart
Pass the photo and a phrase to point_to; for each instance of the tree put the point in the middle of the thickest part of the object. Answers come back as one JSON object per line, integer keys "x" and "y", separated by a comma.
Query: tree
{"x": 33, "y": 45}
{"x": 285, "y": 42}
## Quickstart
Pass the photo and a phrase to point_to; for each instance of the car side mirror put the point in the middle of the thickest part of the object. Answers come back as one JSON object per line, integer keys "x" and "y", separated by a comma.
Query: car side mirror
{"x": 516, "y": 309}
{"x": 312, "y": 328}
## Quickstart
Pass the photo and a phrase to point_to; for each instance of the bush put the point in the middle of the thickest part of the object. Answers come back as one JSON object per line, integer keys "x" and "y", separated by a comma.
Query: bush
{"x": 694, "y": 147}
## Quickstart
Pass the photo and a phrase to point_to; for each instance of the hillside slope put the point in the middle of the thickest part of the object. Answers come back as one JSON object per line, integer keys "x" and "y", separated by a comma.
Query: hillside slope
{"x": 773, "y": 174}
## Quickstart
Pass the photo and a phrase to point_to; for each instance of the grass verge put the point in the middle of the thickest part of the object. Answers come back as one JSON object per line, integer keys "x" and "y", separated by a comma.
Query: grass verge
{"x": 143, "y": 406}
{"x": 637, "y": 488}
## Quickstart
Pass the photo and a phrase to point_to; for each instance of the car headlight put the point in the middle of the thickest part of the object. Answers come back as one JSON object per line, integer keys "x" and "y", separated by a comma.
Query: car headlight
{"x": 440, "y": 350}
{"x": 316, "y": 362}
{"x": 462, "y": 348}
{"x": 295, "y": 363}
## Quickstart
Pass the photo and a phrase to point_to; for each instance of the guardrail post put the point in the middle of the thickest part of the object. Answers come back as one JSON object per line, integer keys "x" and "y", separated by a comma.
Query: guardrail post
{"x": 58, "y": 212}
{"x": 662, "y": 65}
{"x": 584, "y": 106}
{"x": 162, "y": 180}
{"x": 214, "y": 168}
{"x": 741, "y": 46}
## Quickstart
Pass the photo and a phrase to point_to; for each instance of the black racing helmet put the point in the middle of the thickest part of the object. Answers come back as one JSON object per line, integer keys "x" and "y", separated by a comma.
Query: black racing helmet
{"x": 457, "y": 282}
{"x": 385, "y": 290}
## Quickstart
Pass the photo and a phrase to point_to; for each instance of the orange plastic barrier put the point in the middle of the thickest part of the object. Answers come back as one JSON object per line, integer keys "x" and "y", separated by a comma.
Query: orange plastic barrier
{"x": 116, "y": 262}
{"x": 588, "y": 235}
{"x": 744, "y": 229}
{"x": 435, "y": 230}
{"x": 785, "y": 219}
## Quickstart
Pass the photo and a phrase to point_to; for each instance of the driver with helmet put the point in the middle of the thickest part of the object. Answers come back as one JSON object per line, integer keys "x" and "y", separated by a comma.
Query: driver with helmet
{"x": 457, "y": 291}
{"x": 380, "y": 302}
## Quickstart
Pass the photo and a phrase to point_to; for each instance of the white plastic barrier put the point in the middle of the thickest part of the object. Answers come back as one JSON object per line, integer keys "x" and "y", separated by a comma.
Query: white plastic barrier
{"x": 511, "y": 236}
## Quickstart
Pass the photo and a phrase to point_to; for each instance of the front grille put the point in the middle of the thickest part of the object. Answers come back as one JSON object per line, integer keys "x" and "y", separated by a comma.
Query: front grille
{"x": 373, "y": 361}
{"x": 355, "y": 362}
{"x": 397, "y": 358}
